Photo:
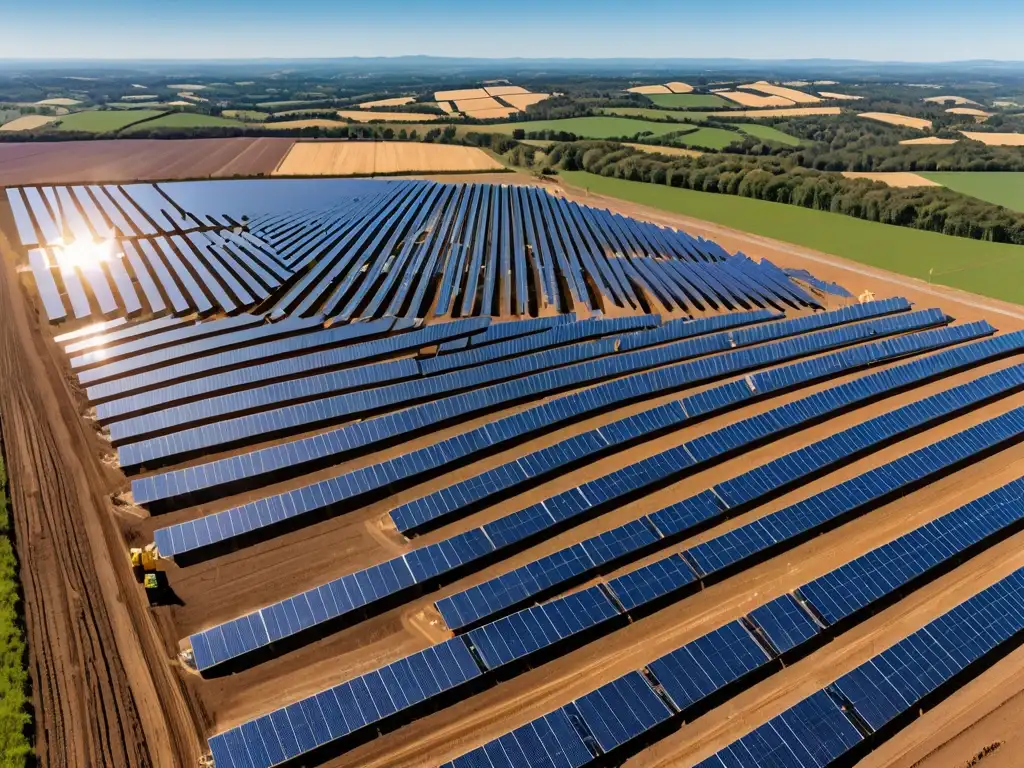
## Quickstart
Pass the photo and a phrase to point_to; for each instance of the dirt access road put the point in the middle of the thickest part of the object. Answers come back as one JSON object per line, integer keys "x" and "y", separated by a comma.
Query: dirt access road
{"x": 103, "y": 692}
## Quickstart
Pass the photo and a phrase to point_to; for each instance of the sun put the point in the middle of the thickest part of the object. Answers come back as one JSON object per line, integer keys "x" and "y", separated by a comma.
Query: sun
{"x": 86, "y": 253}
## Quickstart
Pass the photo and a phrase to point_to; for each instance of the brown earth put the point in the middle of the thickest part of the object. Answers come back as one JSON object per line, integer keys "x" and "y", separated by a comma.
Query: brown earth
{"x": 107, "y": 691}
{"x": 138, "y": 159}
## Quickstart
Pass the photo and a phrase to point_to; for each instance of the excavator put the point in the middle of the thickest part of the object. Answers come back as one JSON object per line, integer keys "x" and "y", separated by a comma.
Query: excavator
{"x": 146, "y": 566}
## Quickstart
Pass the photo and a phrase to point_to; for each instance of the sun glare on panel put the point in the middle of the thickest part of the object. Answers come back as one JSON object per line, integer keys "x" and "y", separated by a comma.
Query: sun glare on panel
{"x": 86, "y": 253}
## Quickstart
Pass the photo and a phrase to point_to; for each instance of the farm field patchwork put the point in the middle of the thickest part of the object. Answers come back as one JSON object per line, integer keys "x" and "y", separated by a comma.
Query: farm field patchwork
{"x": 1001, "y": 188}
{"x": 791, "y": 94}
{"x": 989, "y": 269}
{"x": 106, "y": 122}
{"x": 27, "y": 123}
{"x": 185, "y": 120}
{"x": 397, "y": 101}
{"x": 689, "y": 100}
{"x": 697, "y": 116}
{"x": 748, "y": 99}
{"x": 367, "y": 158}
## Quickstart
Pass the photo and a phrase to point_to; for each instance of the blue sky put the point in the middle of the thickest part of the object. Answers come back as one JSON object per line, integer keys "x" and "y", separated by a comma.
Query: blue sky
{"x": 907, "y": 30}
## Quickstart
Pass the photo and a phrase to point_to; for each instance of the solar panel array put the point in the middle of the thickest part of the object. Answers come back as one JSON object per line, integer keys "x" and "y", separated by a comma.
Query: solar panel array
{"x": 361, "y": 250}
{"x": 253, "y": 333}
{"x": 672, "y": 685}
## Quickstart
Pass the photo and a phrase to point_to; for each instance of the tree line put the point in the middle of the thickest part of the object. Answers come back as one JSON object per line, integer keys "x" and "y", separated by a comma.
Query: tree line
{"x": 780, "y": 180}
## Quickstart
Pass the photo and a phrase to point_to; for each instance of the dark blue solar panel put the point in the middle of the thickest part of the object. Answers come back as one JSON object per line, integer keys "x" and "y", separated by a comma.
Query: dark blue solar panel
{"x": 785, "y": 622}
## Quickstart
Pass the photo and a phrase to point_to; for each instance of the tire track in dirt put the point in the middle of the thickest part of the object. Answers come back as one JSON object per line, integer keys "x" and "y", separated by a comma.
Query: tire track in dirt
{"x": 103, "y": 693}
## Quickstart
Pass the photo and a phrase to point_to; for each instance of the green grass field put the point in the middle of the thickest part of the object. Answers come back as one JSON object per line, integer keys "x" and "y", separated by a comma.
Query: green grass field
{"x": 649, "y": 113}
{"x": 1001, "y": 188}
{"x": 14, "y": 747}
{"x": 184, "y": 120}
{"x": 710, "y": 138}
{"x": 688, "y": 100}
{"x": 767, "y": 133}
{"x": 989, "y": 269}
{"x": 107, "y": 121}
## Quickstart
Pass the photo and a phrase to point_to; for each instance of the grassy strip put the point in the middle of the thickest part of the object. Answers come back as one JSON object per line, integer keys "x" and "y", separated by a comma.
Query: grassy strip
{"x": 14, "y": 719}
{"x": 989, "y": 269}
{"x": 1004, "y": 188}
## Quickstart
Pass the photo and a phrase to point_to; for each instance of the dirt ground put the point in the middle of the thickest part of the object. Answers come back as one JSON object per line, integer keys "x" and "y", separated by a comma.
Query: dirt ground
{"x": 118, "y": 160}
{"x": 107, "y": 688}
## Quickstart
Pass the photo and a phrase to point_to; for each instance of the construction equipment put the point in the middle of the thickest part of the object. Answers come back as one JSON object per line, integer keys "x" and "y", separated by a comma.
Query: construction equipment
{"x": 146, "y": 566}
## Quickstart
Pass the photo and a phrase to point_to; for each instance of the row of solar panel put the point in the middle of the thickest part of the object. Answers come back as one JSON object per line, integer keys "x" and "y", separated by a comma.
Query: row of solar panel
{"x": 171, "y": 417}
{"x": 386, "y": 580}
{"x": 723, "y": 657}
{"x": 207, "y": 477}
{"x": 244, "y": 274}
{"x": 529, "y": 581}
{"x": 529, "y": 469}
{"x": 201, "y": 260}
{"x": 267, "y": 512}
{"x": 819, "y": 730}
{"x": 620, "y": 711}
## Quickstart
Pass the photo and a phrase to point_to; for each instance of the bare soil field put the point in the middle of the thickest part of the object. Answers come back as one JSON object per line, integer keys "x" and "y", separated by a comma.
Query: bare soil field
{"x": 893, "y": 119}
{"x": 365, "y": 116}
{"x": 996, "y": 139}
{"x": 139, "y": 159}
{"x": 465, "y": 93}
{"x": 926, "y": 140}
{"x": 840, "y": 96}
{"x": 365, "y": 158}
{"x": 86, "y": 613}
{"x": 27, "y": 123}
{"x": 753, "y": 100}
{"x": 893, "y": 178}
{"x": 797, "y": 97}
{"x": 648, "y": 89}
{"x": 398, "y": 101}
{"x": 677, "y": 87}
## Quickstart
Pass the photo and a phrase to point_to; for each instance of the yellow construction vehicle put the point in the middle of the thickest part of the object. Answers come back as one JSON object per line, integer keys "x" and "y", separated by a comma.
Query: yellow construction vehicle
{"x": 146, "y": 566}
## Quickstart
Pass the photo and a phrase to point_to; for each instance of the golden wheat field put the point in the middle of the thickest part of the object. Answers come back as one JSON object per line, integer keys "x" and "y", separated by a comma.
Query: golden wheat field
{"x": 949, "y": 99}
{"x": 313, "y": 122}
{"x": 753, "y": 100}
{"x": 465, "y": 93}
{"x": 469, "y": 105}
{"x": 996, "y": 139}
{"x": 366, "y": 115}
{"x": 894, "y": 119}
{"x": 493, "y": 112}
{"x": 27, "y": 123}
{"x": 841, "y": 96}
{"x": 795, "y": 96}
{"x": 928, "y": 140}
{"x": 397, "y": 101}
{"x": 649, "y": 89}
{"x": 504, "y": 90}
{"x": 369, "y": 158}
{"x": 655, "y": 149}
{"x": 784, "y": 112}
{"x": 522, "y": 100}
{"x": 58, "y": 102}
{"x": 968, "y": 111}
{"x": 894, "y": 178}
{"x": 446, "y": 107}
{"x": 677, "y": 87}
